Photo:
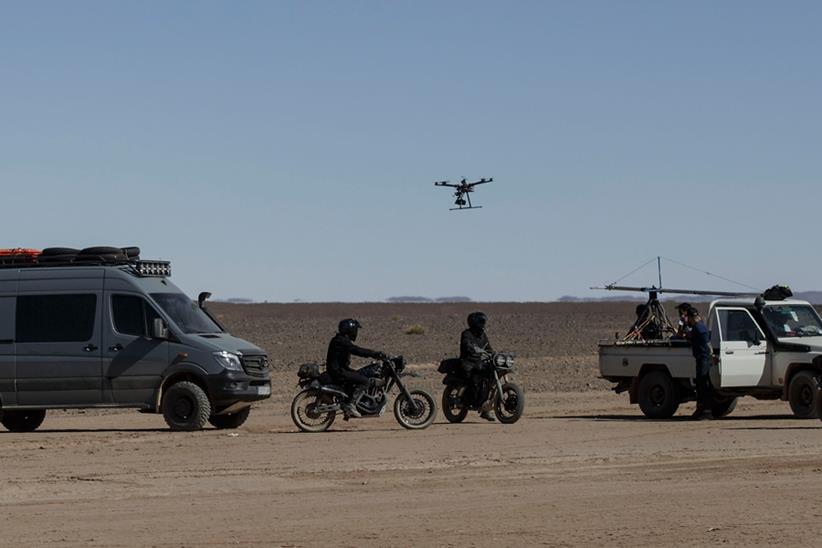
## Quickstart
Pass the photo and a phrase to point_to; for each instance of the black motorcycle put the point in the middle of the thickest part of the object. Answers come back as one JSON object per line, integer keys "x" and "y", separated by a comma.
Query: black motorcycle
{"x": 316, "y": 406}
{"x": 458, "y": 397}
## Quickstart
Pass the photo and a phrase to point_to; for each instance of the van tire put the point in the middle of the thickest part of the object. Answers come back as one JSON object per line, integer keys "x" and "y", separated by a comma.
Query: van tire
{"x": 23, "y": 420}
{"x": 186, "y": 406}
{"x": 231, "y": 421}
{"x": 657, "y": 395}
{"x": 102, "y": 250}
{"x": 59, "y": 251}
{"x": 803, "y": 395}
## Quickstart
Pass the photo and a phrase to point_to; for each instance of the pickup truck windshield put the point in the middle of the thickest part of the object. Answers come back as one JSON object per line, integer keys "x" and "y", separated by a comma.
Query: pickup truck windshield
{"x": 185, "y": 313}
{"x": 792, "y": 320}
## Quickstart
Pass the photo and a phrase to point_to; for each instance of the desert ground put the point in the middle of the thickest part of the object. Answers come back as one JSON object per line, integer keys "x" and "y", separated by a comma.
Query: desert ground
{"x": 582, "y": 468}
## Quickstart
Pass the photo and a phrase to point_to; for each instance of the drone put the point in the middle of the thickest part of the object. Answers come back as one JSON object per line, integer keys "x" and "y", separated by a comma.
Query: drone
{"x": 462, "y": 192}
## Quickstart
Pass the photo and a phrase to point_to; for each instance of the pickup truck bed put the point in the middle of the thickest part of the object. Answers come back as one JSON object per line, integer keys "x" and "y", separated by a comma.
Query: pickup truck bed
{"x": 618, "y": 359}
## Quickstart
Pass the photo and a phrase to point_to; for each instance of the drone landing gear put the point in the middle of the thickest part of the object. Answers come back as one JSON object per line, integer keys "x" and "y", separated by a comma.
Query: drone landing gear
{"x": 461, "y": 208}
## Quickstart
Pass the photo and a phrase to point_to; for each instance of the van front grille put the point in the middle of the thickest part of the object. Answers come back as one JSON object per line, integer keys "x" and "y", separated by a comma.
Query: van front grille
{"x": 256, "y": 366}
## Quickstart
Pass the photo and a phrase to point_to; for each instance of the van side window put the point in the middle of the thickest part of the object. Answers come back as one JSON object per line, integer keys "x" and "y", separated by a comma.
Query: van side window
{"x": 132, "y": 315}
{"x": 6, "y": 320}
{"x": 55, "y": 318}
{"x": 737, "y": 325}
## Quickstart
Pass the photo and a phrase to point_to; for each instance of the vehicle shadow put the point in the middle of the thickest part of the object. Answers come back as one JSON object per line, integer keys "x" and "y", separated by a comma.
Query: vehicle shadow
{"x": 91, "y": 430}
{"x": 678, "y": 418}
{"x": 776, "y": 428}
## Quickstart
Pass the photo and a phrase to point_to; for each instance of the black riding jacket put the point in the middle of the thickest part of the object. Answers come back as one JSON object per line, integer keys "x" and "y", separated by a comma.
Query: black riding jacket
{"x": 340, "y": 350}
{"x": 471, "y": 343}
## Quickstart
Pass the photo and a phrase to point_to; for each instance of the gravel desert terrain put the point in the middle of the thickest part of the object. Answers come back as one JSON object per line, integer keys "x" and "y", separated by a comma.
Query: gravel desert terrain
{"x": 582, "y": 468}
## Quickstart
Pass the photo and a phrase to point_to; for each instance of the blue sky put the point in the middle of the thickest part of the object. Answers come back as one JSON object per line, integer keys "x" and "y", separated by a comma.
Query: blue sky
{"x": 287, "y": 151}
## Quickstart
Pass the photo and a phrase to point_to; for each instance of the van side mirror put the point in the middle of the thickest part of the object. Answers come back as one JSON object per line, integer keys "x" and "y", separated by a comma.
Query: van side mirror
{"x": 159, "y": 329}
{"x": 202, "y": 298}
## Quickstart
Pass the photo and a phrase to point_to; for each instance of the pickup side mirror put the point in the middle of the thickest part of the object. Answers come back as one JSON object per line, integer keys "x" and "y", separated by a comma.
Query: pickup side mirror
{"x": 159, "y": 329}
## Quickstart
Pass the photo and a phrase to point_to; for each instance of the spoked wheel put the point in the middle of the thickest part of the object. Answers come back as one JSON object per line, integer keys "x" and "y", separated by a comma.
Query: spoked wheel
{"x": 510, "y": 404}
{"x": 304, "y": 411}
{"x": 417, "y": 413}
{"x": 452, "y": 407}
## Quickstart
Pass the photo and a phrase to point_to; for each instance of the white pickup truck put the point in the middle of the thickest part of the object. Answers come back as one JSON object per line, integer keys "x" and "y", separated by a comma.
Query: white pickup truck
{"x": 765, "y": 349}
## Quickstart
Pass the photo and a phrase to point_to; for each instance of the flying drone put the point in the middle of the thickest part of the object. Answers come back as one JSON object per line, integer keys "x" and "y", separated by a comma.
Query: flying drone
{"x": 463, "y": 191}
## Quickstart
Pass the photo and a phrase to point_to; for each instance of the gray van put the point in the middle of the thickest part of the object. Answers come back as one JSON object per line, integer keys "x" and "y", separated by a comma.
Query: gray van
{"x": 80, "y": 335}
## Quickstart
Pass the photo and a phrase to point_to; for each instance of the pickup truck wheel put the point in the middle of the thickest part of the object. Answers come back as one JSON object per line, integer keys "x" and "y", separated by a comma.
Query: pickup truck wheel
{"x": 803, "y": 395}
{"x": 657, "y": 395}
{"x": 722, "y": 407}
{"x": 186, "y": 406}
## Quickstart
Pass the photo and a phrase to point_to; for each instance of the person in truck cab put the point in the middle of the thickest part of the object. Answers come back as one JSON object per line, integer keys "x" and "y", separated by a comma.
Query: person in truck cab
{"x": 779, "y": 322}
{"x": 700, "y": 339}
{"x": 338, "y": 362}
{"x": 473, "y": 344}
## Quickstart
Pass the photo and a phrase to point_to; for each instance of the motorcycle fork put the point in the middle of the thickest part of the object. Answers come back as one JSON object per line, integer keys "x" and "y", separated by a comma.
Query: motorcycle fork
{"x": 403, "y": 390}
{"x": 499, "y": 385}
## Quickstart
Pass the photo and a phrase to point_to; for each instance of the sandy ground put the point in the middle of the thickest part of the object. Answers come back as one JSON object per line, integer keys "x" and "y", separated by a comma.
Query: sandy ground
{"x": 579, "y": 469}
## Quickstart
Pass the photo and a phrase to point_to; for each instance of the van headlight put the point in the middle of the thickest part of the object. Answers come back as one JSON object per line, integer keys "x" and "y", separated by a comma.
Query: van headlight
{"x": 228, "y": 360}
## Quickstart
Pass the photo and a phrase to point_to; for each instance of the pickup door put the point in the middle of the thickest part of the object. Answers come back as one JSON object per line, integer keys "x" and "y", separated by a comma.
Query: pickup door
{"x": 743, "y": 350}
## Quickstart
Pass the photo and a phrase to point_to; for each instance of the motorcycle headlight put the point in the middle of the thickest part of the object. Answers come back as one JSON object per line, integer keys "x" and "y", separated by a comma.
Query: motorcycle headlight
{"x": 500, "y": 360}
{"x": 228, "y": 360}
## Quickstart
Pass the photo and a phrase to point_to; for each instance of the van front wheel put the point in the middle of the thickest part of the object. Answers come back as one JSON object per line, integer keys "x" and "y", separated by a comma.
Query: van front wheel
{"x": 25, "y": 420}
{"x": 186, "y": 406}
{"x": 231, "y": 421}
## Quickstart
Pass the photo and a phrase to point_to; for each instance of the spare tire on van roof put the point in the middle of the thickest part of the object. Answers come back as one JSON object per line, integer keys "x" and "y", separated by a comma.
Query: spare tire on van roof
{"x": 132, "y": 252}
{"x": 59, "y": 251}
{"x": 100, "y": 254}
{"x": 102, "y": 250}
{"x": 58, "y": 255}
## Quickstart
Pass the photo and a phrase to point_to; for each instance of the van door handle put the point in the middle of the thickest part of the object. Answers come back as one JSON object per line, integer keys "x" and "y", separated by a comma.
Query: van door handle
{"x": 90, "y": 348}
{"x": 729, "y": 351}
{"x": 116, "y": 348}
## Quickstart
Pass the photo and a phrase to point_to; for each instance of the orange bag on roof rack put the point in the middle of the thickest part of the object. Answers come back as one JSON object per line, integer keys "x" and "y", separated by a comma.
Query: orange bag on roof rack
{"x": 21, "y": 251}
{"x": 19, "y": 255}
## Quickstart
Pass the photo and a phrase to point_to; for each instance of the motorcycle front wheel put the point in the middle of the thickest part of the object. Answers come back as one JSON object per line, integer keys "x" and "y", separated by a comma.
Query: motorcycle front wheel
{"x": 510, "y": 404}
{"x": 417, "y": 413}
{"x": 454, "y": 412}
{"x": 304, "y": 411}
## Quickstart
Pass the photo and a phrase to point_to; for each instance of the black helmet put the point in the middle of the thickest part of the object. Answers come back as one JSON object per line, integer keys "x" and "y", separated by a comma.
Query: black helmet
{"x": 477, "y": 321}
{"x": 349, "y": 327}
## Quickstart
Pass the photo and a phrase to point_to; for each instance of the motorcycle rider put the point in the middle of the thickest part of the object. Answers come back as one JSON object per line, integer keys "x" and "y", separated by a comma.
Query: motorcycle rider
{"x": 473, "y": 344}
{"x": 338, "y": 362}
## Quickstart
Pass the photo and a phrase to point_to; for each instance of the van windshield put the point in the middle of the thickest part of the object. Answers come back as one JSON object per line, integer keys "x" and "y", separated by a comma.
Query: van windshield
{"x": 185, "y": 313}
{"x": 792, "y": 320}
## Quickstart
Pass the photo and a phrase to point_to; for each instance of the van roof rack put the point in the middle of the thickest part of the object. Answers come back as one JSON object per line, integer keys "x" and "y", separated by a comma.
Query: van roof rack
{"x": 127, "y": 257}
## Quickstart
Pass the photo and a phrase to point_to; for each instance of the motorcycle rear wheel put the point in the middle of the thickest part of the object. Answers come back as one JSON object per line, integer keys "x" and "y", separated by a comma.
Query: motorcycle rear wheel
{"x": 510, "y": 404}
{"x": 303, "y": 414}
{"x": 418, "y": 413}
{"x": 453, "y": 414}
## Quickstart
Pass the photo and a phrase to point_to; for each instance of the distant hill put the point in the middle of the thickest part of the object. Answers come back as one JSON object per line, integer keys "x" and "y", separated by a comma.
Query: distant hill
{"x": 397, "y": 300}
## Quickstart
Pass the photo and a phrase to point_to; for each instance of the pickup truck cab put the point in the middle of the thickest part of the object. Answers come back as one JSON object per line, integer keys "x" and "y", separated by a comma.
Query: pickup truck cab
{"x": 112, "y": 331}
{"x": 766, "y": 349}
